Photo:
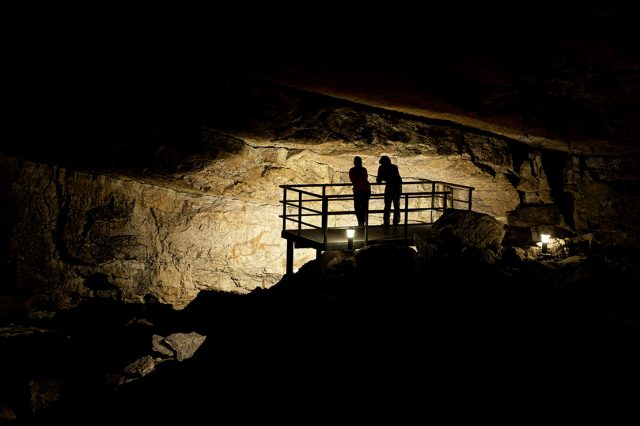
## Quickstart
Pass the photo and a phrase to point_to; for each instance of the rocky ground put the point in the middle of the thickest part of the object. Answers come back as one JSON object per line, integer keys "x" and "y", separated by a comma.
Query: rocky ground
{"x": 446, "y": 333}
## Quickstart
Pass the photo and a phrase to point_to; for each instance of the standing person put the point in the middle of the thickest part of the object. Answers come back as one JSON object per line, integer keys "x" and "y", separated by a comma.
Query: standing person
{"x": 361, "y": 190}
{"x": 389, "y": 174}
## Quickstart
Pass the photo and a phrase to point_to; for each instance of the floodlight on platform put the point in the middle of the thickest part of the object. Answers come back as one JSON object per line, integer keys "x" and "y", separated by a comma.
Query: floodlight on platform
{"x": 350, "y": 234}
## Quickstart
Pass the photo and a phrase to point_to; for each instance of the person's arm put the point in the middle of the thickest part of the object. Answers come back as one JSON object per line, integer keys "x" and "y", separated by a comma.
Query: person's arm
{"x": 379, "y": 178}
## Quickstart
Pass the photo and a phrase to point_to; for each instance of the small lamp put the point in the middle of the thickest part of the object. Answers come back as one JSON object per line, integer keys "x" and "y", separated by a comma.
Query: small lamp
{"x": 350, "y": 233}
{"x": 544, "y": 239}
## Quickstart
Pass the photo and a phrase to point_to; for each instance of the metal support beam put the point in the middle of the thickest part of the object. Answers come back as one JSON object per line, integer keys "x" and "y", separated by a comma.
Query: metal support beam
{"x": 289, "y": 256}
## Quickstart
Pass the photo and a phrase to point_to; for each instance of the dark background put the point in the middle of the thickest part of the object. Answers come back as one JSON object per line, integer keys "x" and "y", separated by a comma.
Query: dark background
{"x": 91, "y": 74}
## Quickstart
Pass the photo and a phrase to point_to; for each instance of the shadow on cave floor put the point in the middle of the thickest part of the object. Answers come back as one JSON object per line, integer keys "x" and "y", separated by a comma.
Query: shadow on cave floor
{"x": 352, "y": 340}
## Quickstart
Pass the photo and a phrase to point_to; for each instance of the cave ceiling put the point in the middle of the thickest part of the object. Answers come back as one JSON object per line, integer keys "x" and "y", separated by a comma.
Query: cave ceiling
{"x": 93, "y": 81}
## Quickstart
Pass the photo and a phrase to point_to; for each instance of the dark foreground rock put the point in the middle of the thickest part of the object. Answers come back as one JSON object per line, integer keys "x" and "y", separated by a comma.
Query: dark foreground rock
{"x": 384, "y": 334}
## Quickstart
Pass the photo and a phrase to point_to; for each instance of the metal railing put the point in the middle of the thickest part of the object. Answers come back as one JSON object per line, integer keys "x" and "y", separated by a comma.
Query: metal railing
{"x": 324, "y": 206}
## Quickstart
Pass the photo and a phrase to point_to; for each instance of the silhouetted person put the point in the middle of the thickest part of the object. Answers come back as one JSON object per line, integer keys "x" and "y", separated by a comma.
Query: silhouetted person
{"x": 361, "y": 190}
{"x": 389, "y": 174}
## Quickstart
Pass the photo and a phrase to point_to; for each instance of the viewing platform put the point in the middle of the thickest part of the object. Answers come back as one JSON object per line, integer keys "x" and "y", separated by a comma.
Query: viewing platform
{"x": 318, "y": 215}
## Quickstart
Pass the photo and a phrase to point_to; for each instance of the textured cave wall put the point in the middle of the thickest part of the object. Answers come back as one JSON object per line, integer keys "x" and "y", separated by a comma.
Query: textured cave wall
{"x": 72, "y": 234}
{"x": 208, "y": 217}
{"x": 605, "y": 195}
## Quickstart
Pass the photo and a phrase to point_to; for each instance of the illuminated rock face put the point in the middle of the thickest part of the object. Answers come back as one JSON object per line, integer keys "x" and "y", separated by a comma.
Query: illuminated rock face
{"x": 215, "y": 225}
{"x": 69, "y": 228}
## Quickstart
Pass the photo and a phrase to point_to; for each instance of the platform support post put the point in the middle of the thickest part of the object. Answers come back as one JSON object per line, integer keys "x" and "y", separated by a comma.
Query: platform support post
{"x": 289, "y": 256}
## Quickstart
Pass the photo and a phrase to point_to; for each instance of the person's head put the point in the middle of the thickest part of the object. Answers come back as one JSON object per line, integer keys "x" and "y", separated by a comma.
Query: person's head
{"x": 357, "y": 161}
{"x": 384, "y": 160}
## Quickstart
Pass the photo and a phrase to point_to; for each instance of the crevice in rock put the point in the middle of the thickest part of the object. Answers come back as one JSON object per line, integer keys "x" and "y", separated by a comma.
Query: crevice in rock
{"x": 554, "y": 164}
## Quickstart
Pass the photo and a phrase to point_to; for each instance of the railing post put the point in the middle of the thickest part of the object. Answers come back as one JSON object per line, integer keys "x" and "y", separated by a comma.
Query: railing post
{"x": 299, "y": 212}
{"x": 366, "y": 226}
{"x": 444, "y": 194}
{"x": 284, "y": 210}
{"x": 433, "y": 199}
{"x": 406, "y": 214}
{"x": 325, "y": 208}
{"x": 470, "y": 195}
{"x": 452, "y": 198}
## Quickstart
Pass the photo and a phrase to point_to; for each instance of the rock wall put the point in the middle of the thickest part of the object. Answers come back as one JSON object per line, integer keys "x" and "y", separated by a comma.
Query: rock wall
{"x": 605, "y": 197}
{"x": 210, "y": 220}
{"x": 71, "y": 234}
